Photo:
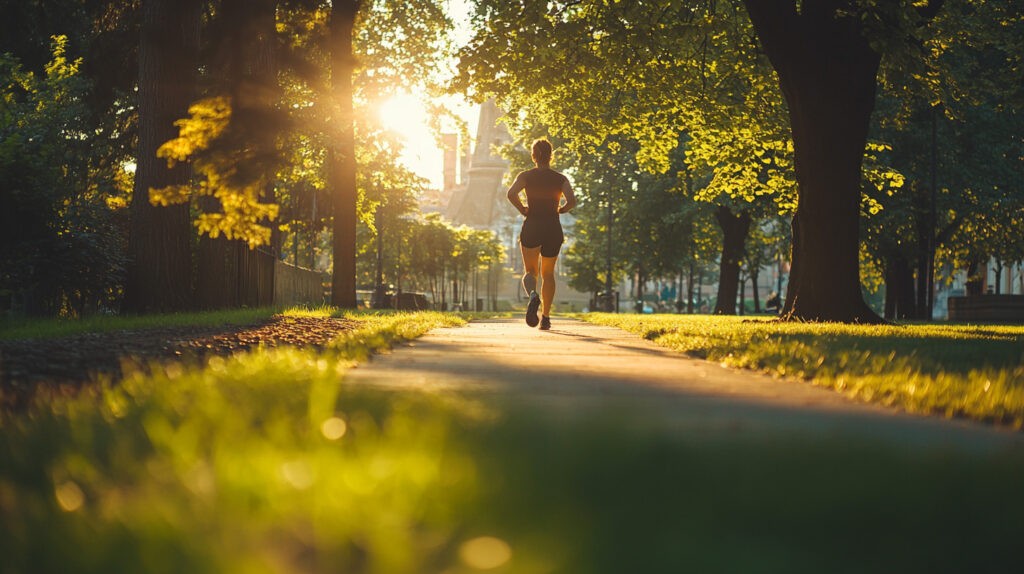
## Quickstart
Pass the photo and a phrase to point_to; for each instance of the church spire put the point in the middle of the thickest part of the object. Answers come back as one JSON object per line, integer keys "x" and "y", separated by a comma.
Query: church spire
{"x": 475, "y": 203}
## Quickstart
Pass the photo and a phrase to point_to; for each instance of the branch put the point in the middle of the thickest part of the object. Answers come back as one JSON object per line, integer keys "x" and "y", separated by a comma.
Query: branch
{"x": 560, "y": 11}
{"x": 947, "y": 231}
{"x": 930, "y": 10}
{"x": 778, "y": 26}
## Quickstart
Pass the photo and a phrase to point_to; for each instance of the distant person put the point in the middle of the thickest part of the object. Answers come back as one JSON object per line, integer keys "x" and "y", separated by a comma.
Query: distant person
{"x": 774, "y": 303}
{"x": 541, "y": 235}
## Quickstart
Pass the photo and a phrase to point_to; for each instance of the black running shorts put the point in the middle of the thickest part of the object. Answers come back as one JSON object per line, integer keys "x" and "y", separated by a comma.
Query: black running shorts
{"x": 545, "y": 233}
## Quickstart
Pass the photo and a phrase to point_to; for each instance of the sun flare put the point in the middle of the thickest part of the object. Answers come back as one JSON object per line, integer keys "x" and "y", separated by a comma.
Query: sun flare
{"x": 403, "y": 114}
{"x": 406, "y": 116}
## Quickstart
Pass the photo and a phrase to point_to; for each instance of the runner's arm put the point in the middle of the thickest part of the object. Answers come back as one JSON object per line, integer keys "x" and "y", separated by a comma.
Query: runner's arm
{"x": 513, "y": 194}
{"x": 570, "y": 197}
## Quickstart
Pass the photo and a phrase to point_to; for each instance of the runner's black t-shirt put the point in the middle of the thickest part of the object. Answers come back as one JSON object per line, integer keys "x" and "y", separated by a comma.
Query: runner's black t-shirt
{"x": 543, "y": 191}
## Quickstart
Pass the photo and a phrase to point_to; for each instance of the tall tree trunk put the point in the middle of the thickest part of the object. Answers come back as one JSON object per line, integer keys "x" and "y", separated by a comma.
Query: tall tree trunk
{"x": 640, "y": 280}
{"x": 741, "y": 299}
{"x": 255, "y": 98}
{"x": 700, "y": 288}
{"x": 734, "y": 237}
{"x": 378, "y": 280}
{"x": 754, "y": 272}
{"x": 342, "y": 158}
{"x": 925, "y": 231}
{"x": 230, "y": 274}
{"x": 827, "y": 71}
{"x": 933, "y": 221}
{"x": 778, "y": 278}
{"x": 679, "y": 287}
{"x": 689, "y": 290}
{"x": 976, "y": 272}
{"x": 906, "y": 305}
{"x": 922, "y": 284}
{"x": 160, "y": 256}
{"x": 899, "y": 288}
{"x": 443, "y": 286}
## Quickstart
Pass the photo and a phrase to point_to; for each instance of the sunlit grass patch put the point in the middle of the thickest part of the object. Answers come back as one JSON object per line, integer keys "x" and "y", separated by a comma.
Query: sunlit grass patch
{"x": 48, "y": 328}
{"x": 332, "y": 311}
{"x": 470, "y": 315}
{"x": 384, "y": 328}
{"x": 310, "y": 311}
{"x": 955, "y": 370}
{"x": 23, "y": 328}
{"x": 247, "y": 463}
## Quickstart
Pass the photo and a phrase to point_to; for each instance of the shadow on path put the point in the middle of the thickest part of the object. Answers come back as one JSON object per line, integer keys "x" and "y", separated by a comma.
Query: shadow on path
{"x": 586, "y": 370}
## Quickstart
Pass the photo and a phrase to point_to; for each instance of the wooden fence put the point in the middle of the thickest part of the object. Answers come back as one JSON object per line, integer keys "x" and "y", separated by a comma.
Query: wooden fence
{"x": 297, "y": 285}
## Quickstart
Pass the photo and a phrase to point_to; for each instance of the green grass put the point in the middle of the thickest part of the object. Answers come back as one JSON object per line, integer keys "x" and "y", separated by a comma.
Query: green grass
{"x": 30, "y": 328}
{"x": 954, "y": 370}
{"x": 602, "y": 496}
{"x": 269, "y": 462}
{"x": 22, "y": 328}
{"x": 161, "y": 472}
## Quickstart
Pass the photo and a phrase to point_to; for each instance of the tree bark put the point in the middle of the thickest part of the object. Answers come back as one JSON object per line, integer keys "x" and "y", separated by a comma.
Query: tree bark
{"x": 255, "y": 98}
{"x": 230, "y": 274}
{"x": 700, "y": 288}
{"x": 827, "y": 72}
{"x": 734, "y": 237}
{"x": 160, "y": 257}
{"x": 742, "y": 298}
{"x": 923, "y": 286}
{"x": 754, "y": 272}
{"x": 689, "y": 290}
{"x": 341, "y": 158}
{"x": 899, "y": 292}
{"x": 924, "y": 229}
{"x": 639, "y": 304}
{"x": 976, "y": 272}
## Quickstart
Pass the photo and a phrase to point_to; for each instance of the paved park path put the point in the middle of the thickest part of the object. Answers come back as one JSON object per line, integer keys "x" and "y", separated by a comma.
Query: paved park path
{"x": 580, "y": 369}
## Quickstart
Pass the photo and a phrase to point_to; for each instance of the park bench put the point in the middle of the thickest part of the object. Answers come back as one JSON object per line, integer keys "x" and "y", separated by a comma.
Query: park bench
{"x": 988, "y": 308}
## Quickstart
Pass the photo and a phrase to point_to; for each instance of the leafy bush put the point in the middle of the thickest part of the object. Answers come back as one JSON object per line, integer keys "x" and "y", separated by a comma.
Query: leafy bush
{"x": 62, "y": 216}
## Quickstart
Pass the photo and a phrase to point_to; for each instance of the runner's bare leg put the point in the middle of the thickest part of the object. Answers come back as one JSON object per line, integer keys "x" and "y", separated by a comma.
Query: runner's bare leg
{"x": 547, "y": 296}
{"x": 531, "y": 260}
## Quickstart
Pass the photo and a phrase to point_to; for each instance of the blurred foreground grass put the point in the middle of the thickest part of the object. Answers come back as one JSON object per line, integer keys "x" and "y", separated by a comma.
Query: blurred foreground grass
{"x": 268, "y": 462}
{"x": 955, "y": 370}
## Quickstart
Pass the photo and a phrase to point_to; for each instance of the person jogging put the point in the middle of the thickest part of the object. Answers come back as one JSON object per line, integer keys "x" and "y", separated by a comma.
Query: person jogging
{"x": 541, "y": 236}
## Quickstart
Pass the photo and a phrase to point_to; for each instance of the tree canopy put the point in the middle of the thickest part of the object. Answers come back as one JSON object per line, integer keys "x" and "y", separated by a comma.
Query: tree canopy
{"x": 768, "y": 99}
{"x": 887, "y": 133}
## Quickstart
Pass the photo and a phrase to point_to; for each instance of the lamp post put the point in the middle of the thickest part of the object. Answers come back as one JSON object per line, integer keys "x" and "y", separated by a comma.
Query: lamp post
{"x": 378, "y": 220}
{"x": 378, "y": 292}
{"x": 402, "y": 223}
{"x": 609, "y": 297}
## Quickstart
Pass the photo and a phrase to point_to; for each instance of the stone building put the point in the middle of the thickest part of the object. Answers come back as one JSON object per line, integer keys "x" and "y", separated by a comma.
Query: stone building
{"x": 478, "y": 199}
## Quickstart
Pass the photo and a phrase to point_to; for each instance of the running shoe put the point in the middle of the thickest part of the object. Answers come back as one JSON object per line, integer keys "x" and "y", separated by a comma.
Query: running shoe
{"x": 531, "y": 309}
{"x": 545, "y": 323}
